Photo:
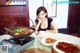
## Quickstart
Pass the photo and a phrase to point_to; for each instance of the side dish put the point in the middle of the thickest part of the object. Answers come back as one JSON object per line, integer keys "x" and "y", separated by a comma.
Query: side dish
{"x": 67, "y": 47}
{"x": 50, "y": 40}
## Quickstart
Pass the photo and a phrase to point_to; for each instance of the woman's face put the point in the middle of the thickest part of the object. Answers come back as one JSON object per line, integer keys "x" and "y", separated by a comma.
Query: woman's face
{"x": 42, "y": 15}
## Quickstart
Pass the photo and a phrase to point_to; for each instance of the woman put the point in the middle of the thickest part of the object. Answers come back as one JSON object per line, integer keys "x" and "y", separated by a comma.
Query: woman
{"x": 44, "y": 23}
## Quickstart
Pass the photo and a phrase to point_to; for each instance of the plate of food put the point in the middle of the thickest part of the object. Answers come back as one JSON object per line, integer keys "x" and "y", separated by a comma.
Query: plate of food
{"x": 65, "y": 46}
{"x": 48, "y": 41}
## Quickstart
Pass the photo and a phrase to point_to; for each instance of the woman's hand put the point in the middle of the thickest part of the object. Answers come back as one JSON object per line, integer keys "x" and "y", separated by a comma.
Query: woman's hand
{"x": 39, "y": 20}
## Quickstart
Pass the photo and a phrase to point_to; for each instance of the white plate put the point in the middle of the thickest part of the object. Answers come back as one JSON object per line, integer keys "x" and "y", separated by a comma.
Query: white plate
{"x": 55, "y": 48}
{"x": 43, "y": 41}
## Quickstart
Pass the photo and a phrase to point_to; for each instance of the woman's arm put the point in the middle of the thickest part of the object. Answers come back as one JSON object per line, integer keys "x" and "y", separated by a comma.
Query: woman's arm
{"x": 36, "y": 25}
{"x": 53, "y": 28}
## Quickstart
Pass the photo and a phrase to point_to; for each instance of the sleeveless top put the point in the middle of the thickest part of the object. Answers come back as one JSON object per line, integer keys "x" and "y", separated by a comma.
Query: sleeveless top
{"x": 49, "y": 25}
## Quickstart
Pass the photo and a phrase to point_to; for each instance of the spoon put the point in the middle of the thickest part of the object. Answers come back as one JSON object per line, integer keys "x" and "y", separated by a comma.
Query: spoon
{"x": 7, "y": 29}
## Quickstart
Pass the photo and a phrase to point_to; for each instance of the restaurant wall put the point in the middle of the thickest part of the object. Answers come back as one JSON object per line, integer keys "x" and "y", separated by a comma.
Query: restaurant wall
{"x": 62, "y": 13}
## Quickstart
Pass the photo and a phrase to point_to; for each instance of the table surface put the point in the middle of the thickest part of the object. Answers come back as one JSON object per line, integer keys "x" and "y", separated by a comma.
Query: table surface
{"x": 43, "y": 34}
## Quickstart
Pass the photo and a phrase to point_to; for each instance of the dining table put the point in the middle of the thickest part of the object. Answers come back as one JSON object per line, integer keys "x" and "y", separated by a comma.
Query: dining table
{"x": 45, "y": 48}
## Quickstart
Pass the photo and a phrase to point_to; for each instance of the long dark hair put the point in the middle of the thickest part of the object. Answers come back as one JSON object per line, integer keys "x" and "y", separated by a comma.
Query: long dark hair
{"x": 42, "y": 8}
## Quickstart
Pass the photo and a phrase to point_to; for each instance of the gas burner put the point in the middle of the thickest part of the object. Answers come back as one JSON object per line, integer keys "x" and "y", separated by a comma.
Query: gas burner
{"x": 18, "y": 44}
{"x": 20, "y": 40}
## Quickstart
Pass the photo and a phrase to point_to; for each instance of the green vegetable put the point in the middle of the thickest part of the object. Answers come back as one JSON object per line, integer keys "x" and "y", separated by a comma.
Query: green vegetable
{"x": 18, "y": 30}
